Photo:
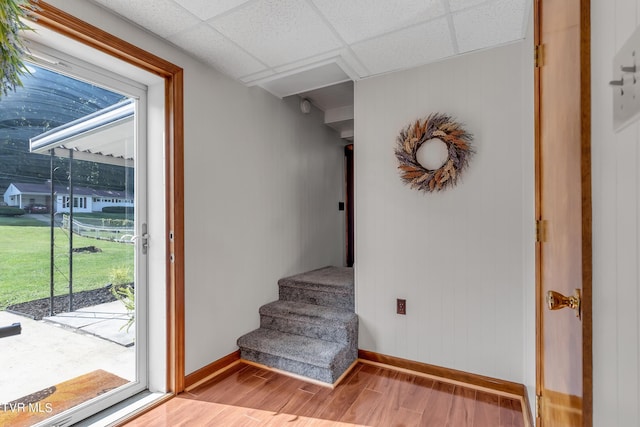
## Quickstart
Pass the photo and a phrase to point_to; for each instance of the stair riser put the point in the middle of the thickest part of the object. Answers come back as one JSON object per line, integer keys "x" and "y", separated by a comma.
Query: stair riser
{"x": 316, "y": 296}
{"x": 347, "y": 333}
{"x": 327, "y": 375}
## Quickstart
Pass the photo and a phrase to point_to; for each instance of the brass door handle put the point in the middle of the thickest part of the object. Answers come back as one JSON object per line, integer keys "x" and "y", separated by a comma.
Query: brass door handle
{"x": 556, "y": 301}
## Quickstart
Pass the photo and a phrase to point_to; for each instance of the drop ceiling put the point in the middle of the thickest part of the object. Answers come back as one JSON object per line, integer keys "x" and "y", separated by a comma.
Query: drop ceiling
{"x": 298, "y": 46}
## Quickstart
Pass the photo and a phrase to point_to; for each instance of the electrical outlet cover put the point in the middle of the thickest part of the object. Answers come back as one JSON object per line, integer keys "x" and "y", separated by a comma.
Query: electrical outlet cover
{"x": 401, "y": 306}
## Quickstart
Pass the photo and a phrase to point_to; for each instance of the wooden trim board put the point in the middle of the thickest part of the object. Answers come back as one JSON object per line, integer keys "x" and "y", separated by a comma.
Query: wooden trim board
{"x": 211, "y": 370}
{"x": 473, "y": 380}
{"x": 480, "y": 382}
{"x": 453, "y": 376}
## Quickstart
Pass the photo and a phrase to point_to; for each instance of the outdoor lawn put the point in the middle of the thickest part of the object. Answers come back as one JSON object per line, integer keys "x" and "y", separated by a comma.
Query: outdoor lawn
{"x": 25, "y": 261}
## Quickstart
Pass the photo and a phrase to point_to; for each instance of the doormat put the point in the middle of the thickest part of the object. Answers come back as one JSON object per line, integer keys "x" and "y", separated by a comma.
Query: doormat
{"x": 46, "y": 403}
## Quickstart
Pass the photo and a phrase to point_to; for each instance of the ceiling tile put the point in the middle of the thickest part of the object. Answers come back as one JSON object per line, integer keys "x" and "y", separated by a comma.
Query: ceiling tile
{"x": 278, "y": 42}
{"x": 406, "y": 48}
{"x": 455, "y": 5}
{"x": 216, "y": 50}
{"x": 357, "y": 20}
{"x": 207, "y": 9}
{"x": 162, "y": 17}
{"x": 278, "y": 31}
{"x": 491, "y": 24}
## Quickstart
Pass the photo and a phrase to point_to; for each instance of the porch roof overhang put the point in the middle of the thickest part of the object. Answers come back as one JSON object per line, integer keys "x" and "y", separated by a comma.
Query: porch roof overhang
{"x": 104, "y": 136}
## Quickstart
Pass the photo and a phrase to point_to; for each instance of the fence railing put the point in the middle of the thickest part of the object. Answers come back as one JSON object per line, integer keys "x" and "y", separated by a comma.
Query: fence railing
{"x": 116, "y": 233}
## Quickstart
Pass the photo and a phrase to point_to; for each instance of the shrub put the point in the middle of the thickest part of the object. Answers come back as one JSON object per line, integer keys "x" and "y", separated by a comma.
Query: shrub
{"x": 126, "y": 295}
{"x": 118, "y": 209}
{"x": 115, "y": 222}
{"x": 11, "y": 211}
{"x": 121, "y": 289}
{"x": 121, "y": 275}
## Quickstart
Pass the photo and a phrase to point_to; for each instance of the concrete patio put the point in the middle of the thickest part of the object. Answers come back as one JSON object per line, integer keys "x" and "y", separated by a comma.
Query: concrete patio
{"x": 107, "y": 321}
{"x": 64, "y": 346}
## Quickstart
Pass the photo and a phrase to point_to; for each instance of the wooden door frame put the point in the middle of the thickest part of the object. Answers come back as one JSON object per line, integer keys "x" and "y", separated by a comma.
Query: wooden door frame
{"x": 93, "y": 37}
{"x": 585, "y": 118}
{"x": 350, "y": 205}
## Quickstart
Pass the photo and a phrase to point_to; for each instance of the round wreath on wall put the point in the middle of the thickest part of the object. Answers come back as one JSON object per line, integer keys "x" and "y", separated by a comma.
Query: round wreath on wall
{"x": 436, "y": 128}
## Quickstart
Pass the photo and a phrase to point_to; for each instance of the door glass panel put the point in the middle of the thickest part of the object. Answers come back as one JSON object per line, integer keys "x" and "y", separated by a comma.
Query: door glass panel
{"x": 72, "y": 273}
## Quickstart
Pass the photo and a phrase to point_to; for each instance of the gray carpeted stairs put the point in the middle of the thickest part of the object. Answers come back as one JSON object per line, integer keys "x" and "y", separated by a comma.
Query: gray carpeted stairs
{"x": 312, "y": 330}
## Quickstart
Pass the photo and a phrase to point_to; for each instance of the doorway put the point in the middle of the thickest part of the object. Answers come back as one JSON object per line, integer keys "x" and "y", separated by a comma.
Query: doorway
{"x": 350, "y": 244}
{"x": 165, "y": 133}
{"x": 84, "y": 293}
{"x": 563, "y": 212}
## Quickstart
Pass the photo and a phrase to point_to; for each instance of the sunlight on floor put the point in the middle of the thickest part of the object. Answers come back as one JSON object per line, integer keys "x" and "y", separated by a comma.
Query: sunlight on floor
{"x": 194, "y": 412}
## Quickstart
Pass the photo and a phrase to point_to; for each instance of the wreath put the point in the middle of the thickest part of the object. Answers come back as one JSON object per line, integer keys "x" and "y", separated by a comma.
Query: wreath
{"x": 411, "y": 138}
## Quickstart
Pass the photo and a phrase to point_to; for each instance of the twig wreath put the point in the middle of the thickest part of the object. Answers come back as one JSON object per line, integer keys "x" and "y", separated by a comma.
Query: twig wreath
{"x": 411, "y": 138}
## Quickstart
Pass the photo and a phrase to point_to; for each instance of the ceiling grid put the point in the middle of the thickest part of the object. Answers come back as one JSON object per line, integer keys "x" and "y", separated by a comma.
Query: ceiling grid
{"x": 253, "y": 40}
{"x": 300, "y": 46}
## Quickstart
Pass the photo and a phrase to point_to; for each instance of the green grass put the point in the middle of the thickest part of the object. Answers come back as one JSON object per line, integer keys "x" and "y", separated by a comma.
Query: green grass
{"x": 21, "y": 221}
{"x": 102, "y": 215}
{"x": 25, "y": 261}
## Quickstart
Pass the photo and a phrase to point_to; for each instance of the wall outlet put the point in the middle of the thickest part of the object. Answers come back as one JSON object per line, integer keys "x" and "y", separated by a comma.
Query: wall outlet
{"x": 401, "y": 306}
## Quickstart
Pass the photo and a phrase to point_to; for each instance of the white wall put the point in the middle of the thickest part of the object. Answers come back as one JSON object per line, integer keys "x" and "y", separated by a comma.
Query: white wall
{"x": 462, "y": 258}
{"x": 616, "y": 228}
{"x": 262, "y": 185}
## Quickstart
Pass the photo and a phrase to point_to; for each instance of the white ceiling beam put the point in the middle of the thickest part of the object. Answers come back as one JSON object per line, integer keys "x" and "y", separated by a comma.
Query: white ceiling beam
{"x": 347, "y": 134}
{"x": 339, "y": 114}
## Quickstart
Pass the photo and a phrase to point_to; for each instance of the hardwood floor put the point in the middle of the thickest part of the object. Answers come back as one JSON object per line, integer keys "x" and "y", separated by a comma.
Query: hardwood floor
{"x": 370, "y": 395}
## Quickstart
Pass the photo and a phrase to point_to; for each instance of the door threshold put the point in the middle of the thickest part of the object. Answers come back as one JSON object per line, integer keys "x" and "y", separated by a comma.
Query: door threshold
{"x": 126, "y": 410}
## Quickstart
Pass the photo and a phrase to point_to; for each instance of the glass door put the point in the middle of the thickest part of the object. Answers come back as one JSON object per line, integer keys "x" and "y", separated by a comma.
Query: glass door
{"x": 74, "y": 275}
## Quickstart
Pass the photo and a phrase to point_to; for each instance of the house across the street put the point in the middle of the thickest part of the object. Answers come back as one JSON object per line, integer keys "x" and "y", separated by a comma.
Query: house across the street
{"x": 26, "y": 195}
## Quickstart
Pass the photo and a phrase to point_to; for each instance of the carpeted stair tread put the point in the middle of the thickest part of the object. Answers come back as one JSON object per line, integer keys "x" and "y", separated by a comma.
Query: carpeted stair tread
{"x": 295, "y": 347}
{"x": 328, "y": 286}
{"x": 337, "y": 279}
{"x": 310, "y": 320}
{"x": 312, "y": 330}
{"x": 307, "y": 312}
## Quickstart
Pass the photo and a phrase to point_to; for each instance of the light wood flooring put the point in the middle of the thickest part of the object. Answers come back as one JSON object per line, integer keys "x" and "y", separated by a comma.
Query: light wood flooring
{"x": 370, "y": 395}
